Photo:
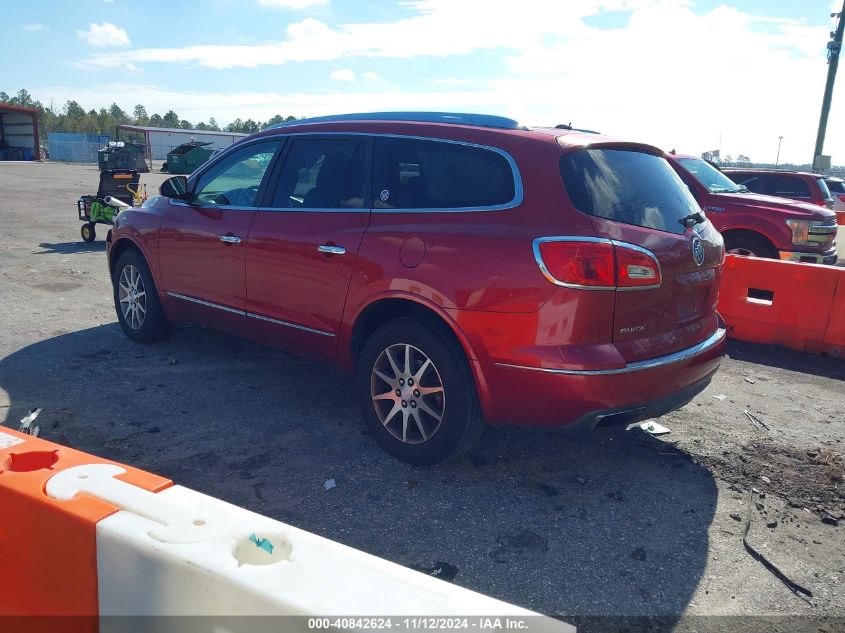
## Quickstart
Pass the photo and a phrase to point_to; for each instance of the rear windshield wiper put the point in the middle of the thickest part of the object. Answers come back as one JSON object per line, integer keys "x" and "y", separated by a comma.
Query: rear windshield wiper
{"x": 689, "y": 221}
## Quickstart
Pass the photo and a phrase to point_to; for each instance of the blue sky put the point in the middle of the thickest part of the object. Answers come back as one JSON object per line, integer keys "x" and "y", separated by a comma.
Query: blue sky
{"x": 684, "y": 74}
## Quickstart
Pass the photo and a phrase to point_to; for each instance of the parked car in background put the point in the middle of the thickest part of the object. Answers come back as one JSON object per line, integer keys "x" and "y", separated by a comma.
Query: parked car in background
{"x": 466, "y": 268}
{"x": 836, "y": 186}
{"x": 759, "y": 225}
{"x": 797, "y": 185}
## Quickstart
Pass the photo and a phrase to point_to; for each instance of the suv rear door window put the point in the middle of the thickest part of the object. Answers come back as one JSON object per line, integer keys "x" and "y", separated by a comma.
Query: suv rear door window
{"x": 627, "y": 186}
{"x": 835, "y": 186}
{"x": 787, "y": 186}
{"x": 322, "y": 174}
{"x": 428, "y": 174}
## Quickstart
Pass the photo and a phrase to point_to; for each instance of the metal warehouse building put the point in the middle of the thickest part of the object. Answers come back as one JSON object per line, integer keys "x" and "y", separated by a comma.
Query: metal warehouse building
{"x": 160, "y": 140}
{"x": 19, "y": 133}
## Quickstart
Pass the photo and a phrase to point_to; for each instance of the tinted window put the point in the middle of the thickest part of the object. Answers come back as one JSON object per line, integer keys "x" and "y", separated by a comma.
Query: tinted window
{"x": 787, "y": 186}
{"x": 322, "y": 174}
{"x": 418, "y": 174}
{"x": 236, "y": 178}
{"x": 627, "y": 186}
{"x": 752, "y": 181}
{"x": 836, "y": 186}
{"x": 825, "y": 189}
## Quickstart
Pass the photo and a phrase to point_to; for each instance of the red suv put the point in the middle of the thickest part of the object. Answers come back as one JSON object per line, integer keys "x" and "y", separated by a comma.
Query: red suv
{"x": 759, "y": 225}
{"x": 466, "y": 268}
{"x": 798, "y": 185}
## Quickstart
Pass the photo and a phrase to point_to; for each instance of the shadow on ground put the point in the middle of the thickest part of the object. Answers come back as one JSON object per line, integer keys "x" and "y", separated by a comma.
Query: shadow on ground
{"x": 71, "y": 248}
{"x": 785, "y": 358}
{"x": 611, "y": 523}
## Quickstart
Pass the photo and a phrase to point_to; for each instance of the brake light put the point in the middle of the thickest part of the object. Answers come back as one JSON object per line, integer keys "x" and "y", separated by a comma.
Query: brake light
{"x": 596, "y": 264}
{"x": 842, "y": 197}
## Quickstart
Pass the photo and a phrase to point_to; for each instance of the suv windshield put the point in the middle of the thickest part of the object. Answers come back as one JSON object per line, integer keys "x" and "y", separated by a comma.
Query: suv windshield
{"x": 627, "y": 186}
{"x": 709, "y": 176}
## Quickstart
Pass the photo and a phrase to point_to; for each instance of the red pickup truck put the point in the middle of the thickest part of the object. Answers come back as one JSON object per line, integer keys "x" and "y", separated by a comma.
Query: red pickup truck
{"x": 758, "y": 225}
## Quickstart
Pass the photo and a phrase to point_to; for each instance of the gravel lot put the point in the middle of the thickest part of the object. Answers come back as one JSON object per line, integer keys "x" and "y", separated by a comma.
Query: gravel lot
{"x": 613, "y": 523}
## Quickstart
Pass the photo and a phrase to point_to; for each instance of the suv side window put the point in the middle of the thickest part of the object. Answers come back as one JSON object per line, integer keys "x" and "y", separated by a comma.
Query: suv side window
{"x": 235, "y": 180}
{"x": 322, "y": 173}
{"x": 787, "y": 186}
{"x": 428, "y": 174}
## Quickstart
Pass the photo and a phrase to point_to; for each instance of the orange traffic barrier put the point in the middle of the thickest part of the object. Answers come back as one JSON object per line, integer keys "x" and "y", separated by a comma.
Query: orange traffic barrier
{"x": 797, "y": 305}
{"x": 89, "y": 546}
{"x": 840, "y": 218}
{"x": 48, "y": 551}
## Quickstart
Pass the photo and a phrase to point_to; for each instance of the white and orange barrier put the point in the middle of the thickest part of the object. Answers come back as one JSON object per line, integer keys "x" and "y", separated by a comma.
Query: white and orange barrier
{"x": 797, "y": 305}
{"x": 82, "y": 536}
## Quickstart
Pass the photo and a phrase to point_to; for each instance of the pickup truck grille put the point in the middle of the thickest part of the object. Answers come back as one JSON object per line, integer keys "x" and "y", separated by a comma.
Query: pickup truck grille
{"x": 823, "y": 232}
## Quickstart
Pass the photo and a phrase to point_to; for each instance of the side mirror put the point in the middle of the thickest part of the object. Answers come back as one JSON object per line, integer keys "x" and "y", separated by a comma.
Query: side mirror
{"x": 175, "y": 187}
{"x": 743, "y": 188}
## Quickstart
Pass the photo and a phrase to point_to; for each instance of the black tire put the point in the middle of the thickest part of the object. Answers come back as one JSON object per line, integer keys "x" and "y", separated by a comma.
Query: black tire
{"x": 88, "y": 232}
{"x": 154, "y": 326}
{"x": 462, "y": 422}
{"x": 751, "y": 247}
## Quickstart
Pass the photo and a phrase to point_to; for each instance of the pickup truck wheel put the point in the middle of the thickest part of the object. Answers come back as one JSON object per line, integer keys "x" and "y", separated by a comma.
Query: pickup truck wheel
{"x": 750, "y": 247}
{"x": 417, "y": 394}
{"x": 136, "y": 300}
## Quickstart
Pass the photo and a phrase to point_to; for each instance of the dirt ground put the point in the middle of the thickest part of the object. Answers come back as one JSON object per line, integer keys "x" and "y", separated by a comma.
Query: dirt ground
{"x": 612, "y": 523}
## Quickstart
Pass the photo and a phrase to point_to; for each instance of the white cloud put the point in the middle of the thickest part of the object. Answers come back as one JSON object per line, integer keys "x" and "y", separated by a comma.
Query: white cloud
{"x": 291, "y": 4}
{"x": 371, "y": 75}
{"x": 35, "y": 26}
{"x": 672, "y": 76}
{"x": 105, "y": 34}
{"x": 342, "y": 74}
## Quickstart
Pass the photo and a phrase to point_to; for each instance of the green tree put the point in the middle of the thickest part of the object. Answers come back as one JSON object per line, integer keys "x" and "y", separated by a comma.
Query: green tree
{"x": 156, "y": 121}
{"x": 140, "y": 114}
{"x": 250, "y": 127}
{"x": 212, "y": 125}
{"x": 185, "y": 124}
{"x": 4, "y": 98}
{"x": 235, "y": 126}
{"x": 170, "y": 119}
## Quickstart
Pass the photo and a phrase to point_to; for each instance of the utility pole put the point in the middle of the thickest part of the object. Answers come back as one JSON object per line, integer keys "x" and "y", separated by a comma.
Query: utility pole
{"x": 777, "y": 160}
{"x": 833, "y": 47}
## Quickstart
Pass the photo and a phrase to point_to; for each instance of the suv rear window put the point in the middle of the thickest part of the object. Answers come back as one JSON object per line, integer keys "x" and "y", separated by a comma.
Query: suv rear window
{"x": 835, "y": 186}
{"x": 627, "y": 186}
{"x": 423, "y": 174}
{"x": 787, "y": 186}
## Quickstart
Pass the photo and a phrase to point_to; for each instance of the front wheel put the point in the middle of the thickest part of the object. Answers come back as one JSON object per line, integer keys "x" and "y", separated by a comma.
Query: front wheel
{"x": 136, "y": 300}
{"x": 417, "y": 394}
{"x": 750, "y": 247}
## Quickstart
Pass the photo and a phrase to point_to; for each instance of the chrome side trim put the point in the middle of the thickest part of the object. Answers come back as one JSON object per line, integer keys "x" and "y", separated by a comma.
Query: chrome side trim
{"x": 207, "y": 304}
{"x": 251, "y": 315}
{"x": 705, "y": 345}
{"x": 261, "y": 317}
{"x": 596, "y": 240}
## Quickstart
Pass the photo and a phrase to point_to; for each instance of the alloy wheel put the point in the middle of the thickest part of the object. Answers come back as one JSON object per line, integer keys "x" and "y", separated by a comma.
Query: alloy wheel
{"x": 132, "y": 296}
{"x": 407, "y": 393}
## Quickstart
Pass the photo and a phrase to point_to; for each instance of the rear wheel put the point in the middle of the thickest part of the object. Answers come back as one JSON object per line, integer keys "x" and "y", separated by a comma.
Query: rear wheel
{"x": 136, "y": 299}
{"x": 750, "y": 247}
{"x": 88, "y": 232}
{"x": 417, "y": 393}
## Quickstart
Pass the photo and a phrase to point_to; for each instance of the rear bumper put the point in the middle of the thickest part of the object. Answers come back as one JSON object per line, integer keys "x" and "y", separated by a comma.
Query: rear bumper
{"x": 584, "y": 398}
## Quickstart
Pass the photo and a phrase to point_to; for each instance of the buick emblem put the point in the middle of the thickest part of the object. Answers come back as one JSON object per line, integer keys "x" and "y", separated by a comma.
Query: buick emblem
{"x": 697, "y": 251}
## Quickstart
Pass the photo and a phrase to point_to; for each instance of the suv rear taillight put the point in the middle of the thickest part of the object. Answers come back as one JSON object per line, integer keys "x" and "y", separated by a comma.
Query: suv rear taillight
{"x": 596, "y": 263}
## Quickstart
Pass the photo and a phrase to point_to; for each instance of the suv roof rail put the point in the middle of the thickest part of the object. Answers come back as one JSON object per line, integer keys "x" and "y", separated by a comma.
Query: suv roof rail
{"x": 458, "y": 118}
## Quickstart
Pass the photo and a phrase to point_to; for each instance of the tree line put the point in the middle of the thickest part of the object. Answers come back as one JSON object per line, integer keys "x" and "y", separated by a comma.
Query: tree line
{"x": 74, "y": 118}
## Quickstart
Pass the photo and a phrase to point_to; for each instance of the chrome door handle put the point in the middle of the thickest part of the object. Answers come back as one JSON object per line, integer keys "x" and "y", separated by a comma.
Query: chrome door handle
{"x": 329, "y": 249}
{"x": 230, "y": 239}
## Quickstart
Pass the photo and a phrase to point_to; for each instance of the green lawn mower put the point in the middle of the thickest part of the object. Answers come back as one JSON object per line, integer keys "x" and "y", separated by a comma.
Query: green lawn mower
{"x": 119, "y": 189}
